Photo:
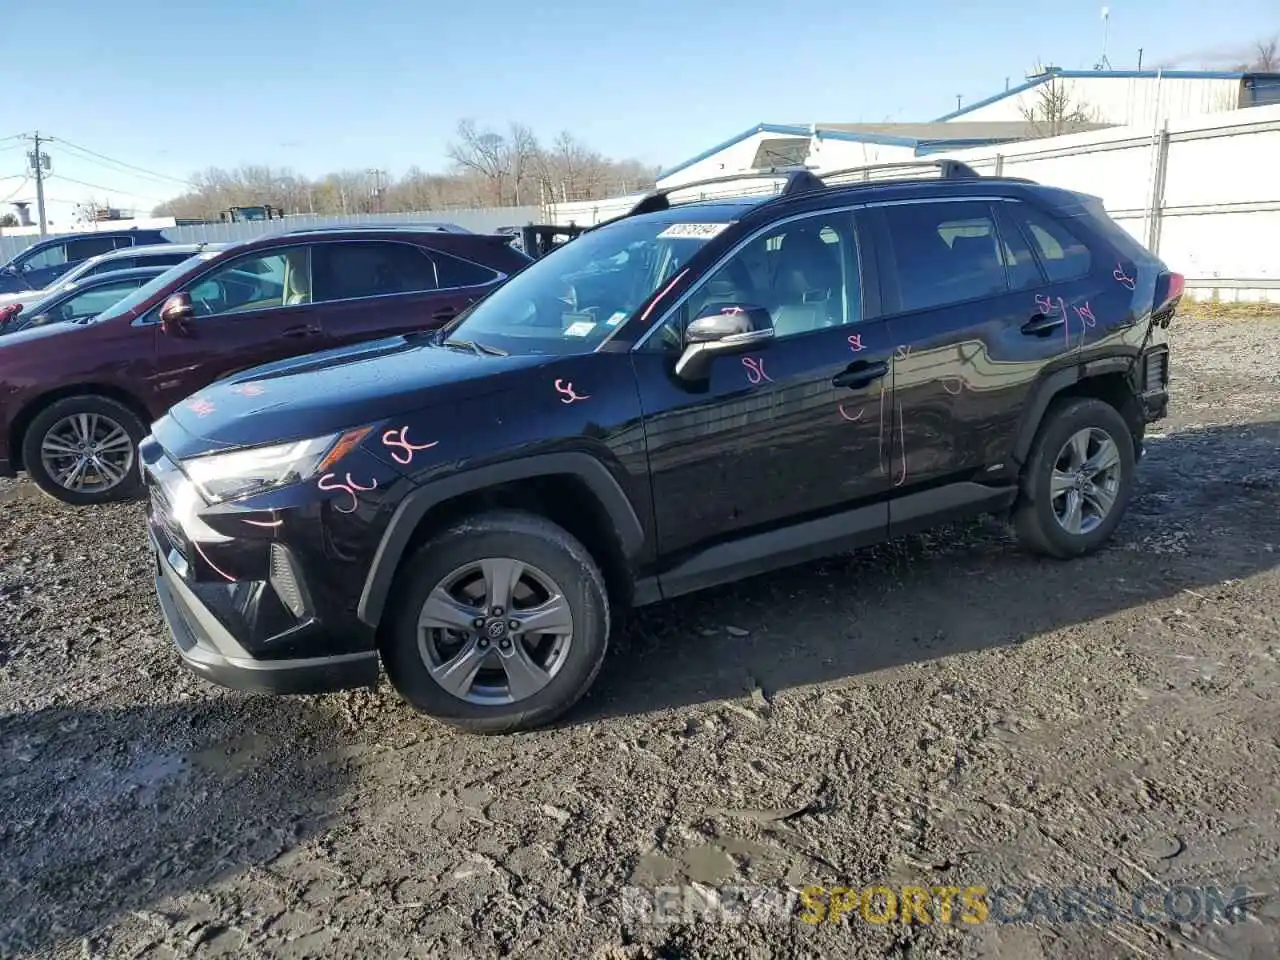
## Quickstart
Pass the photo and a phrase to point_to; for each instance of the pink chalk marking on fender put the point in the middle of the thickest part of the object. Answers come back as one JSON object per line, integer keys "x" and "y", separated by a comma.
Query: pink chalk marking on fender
{"x": 349, "y": 488}
{"x": 404, "y": 456}
{"x": 840, "y": 407}
{"x": 267, "y": 524}
{"x": 201, "y": 407}
{"x": 569, "y": 394}
{"x": 1123, "y": 278}
{"x": 213, "y": 566}
{"x": 662, "y": 293}
{"x": 959, "y": 385}
{"x": 755, "y": 370}
{"x": 1086, "y": 315}
{"x": 248, "y": 390}
{"x": 855, "y": 343}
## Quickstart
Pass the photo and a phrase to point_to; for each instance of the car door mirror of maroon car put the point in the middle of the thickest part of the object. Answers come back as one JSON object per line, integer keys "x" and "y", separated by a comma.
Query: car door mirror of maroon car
{"x": 722, "y": 328}
{"x": 176, "y": 315}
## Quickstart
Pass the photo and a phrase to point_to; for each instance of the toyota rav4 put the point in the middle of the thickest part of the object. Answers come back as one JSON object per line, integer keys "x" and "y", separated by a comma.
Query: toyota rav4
{"x": 690, "y": 394}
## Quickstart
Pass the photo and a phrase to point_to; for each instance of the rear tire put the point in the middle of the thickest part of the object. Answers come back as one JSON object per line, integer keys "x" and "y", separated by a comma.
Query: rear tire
{"x": 1077, "y": 481}
{"x": 83, "y": 450}
{"x": 475, "y": 664}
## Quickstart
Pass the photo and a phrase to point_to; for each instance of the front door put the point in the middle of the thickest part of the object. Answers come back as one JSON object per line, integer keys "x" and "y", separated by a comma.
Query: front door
{"x": 790, "y": 431}
{"x": 251, "y": 310}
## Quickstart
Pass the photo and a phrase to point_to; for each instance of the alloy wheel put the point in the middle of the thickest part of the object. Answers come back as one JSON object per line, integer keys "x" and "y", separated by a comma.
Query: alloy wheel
{"x": 1085, "y": 481}
{"x": 87, "y": 453}
{"x": 495, "y": 631}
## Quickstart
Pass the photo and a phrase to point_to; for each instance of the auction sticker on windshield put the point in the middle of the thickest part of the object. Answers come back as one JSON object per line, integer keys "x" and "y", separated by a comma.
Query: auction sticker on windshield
{"x": 700, "y": 231}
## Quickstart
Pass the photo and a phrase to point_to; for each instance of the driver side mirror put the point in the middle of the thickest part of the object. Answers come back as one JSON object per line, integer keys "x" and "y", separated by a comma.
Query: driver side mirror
{"x": 176, "y": 313}
{"x": 722, "y": 328}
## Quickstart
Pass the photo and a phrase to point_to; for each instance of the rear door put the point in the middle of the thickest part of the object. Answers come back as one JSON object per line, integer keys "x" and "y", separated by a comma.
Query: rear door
{"x": 974, "y": 328}
{"x": 377, "y": 288}
{"x": 250, "y": 310}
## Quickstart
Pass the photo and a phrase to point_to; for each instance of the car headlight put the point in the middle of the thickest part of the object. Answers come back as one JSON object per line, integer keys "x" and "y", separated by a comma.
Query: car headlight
{"x": 226, "y": 476}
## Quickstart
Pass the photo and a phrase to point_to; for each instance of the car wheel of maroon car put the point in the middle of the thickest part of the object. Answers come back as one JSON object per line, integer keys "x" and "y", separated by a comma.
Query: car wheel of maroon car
{"x": 84, "y": 450}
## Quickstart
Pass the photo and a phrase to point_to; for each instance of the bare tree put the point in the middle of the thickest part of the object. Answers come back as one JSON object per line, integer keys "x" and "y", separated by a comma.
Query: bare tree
{"x": 485, "y": 153}
{"x": 489, "y": 169}
{"x": 8, "y": 220}
{"x": 1055, "y": 110}
{"x": 1265, "y": 56}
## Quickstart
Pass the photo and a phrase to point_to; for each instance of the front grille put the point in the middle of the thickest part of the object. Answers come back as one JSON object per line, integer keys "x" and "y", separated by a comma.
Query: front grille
{"x": 162, "y": 515}
{"x": 1156, "y": 371}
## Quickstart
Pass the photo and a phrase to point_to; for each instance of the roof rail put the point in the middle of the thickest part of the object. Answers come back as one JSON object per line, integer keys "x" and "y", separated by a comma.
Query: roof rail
{"x": 800, "y": 180}
{"x": 390, "y": 225}
{"x": 656, "y": 199}
{"x": 950, "y": 169}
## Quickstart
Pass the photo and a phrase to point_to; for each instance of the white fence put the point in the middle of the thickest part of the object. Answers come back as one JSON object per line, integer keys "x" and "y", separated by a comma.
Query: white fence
{"x": 481, "y": 220}
{"x": 1203, "y": 192}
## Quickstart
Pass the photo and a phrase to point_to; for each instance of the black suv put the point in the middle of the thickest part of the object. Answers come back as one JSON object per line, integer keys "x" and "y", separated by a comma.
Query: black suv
{"x": 684, "y": 396}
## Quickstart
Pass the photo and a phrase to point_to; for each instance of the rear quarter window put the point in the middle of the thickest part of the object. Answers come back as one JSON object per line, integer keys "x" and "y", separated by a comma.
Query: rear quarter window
{"x": 1063, "y": 255}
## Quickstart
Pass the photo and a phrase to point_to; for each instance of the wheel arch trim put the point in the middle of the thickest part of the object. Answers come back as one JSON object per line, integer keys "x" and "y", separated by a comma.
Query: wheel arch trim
{"x": 411, "y": 510}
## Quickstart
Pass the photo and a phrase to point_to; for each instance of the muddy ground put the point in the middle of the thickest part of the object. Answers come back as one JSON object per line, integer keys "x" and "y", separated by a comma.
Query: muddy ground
{"x": 944, "y": 711}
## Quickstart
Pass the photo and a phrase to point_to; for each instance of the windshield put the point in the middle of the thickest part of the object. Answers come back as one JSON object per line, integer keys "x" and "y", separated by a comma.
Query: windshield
{"x": 569, "y": 301}
{"x": 154, "y": 286}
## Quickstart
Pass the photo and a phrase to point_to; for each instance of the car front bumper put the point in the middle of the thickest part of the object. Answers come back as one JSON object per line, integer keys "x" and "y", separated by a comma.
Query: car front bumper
{"x": 210, "y": 650}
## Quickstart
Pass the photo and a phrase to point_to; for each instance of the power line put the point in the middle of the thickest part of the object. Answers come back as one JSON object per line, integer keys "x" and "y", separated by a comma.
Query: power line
{"x": 120, "y": 163}
{"x": 98, "y": 186}
{"x": 16, "y": 192}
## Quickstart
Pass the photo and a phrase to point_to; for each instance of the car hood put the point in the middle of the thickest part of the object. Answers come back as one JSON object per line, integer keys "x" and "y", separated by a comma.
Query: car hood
{"x": 25, "y": 296}
{"x": 15, "y": 339}
{"x": 340, "y": 388}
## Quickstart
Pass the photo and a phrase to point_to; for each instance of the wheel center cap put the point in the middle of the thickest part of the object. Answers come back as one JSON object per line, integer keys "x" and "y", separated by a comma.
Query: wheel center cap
{"x": 496, "y": 629}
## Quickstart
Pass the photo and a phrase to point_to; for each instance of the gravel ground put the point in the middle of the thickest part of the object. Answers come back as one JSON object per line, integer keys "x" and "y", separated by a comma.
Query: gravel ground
{"x": 943, "y": 711}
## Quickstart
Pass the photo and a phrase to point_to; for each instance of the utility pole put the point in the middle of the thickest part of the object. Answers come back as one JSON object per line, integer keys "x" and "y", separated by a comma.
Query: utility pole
{"x": 377, "y": 189}
{"x": 39, "y": 165}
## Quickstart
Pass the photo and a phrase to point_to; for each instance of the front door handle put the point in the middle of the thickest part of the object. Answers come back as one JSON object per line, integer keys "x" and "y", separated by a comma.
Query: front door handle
{"x": 860, "y": 374}
{"x": 1042, "y": 323}
{"x": 302, "y": 330}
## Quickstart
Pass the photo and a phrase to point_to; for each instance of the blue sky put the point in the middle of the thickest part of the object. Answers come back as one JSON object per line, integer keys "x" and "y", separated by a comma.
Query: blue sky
{"x": 177, "y": 87}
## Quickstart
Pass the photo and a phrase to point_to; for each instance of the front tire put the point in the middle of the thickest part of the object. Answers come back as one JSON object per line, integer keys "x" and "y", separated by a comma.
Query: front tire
{"x": 1077, "y": 481}
{"x": 84, "y": 450}
{"x": 499, "y": 624}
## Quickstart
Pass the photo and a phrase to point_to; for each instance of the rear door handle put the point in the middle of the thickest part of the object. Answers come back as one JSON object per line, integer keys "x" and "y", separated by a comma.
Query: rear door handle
{"x": 303, "y": 330}
{"x": 860, "y": 374}
{"x": 1042, "y": 323}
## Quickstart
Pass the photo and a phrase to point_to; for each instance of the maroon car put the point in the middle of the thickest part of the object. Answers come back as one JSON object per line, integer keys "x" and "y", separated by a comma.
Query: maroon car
{"x": 76, "y": 398}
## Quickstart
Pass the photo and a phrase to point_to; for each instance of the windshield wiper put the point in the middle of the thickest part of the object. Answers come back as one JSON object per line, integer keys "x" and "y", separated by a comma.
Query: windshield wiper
{"x": 478, "y": 348}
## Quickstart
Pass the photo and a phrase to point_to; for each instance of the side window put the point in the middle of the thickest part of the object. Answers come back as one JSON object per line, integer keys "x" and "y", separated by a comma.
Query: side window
{"x": 121, "y": 242}
{"x": 90, "y": 303}
{"x": 277, "y": 278}
{"x": 945, "y": 253}
{"x": 54, "y": 256}
{"x": 456, "y": 272}
{"x": 1063, "y": 254}
{"x": 806, "y": 274}
{"x": 348, "y": 270}
{"x": 78, "y": 250}
{"x": 1019, "y": 262}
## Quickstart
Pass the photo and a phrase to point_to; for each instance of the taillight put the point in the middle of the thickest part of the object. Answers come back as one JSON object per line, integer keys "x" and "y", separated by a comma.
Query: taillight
{"x": 1169, "y": 289}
